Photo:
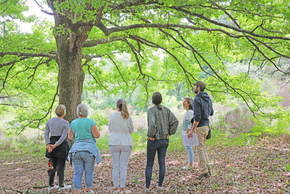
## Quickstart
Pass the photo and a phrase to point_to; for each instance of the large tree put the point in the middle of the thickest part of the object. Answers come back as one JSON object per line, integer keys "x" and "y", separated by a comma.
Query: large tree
{"x": 169, "y": 42}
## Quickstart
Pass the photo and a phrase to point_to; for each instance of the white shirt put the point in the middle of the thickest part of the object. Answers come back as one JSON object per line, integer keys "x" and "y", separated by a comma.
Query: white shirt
{"x": 187, "y": 121}
{"x": 121, "y": 130}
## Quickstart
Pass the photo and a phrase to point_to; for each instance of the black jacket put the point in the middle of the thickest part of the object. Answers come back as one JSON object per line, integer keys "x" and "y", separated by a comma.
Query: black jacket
{"x": 60, "y": 151}
{"x": 202, "y": 107}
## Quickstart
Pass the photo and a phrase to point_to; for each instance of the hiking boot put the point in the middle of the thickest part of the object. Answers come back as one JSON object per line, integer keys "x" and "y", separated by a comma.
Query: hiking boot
{"x": 51, "y": 188}
{"x": 205, "y": 175}
{"x": 64, "y": 187}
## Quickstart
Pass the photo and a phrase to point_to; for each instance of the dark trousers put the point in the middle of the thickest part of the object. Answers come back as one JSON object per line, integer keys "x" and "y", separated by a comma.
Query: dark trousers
{"x": 161, "y": 147}
{"x": 59, "y": 166}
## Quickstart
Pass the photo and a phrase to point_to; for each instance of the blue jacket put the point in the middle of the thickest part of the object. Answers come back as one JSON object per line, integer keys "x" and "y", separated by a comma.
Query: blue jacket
{"x": 202, "y": 107}
{"x": 88, "y": 145}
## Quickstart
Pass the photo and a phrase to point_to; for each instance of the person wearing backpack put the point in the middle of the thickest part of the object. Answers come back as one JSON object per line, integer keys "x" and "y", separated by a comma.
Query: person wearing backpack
{"x": 202, "y": 106}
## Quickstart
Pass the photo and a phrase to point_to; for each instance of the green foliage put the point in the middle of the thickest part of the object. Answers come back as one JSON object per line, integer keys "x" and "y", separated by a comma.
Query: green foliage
{"x": 103, "y": 144}
{"x": 139, "y": 140}
{"x": 175, "y": 142}
{"x": 288, "y": 167}
{"x": 100, "y": 120}
{"x": 138, "y": 48}
{"x": 276, "y": 126}
{"x": 234, "y": 122}
{"x": 23, "y": 145}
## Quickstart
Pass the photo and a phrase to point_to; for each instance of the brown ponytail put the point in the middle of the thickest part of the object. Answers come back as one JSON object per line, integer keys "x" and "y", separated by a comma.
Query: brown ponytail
{"x": 157, "y": 99}
{"x": 121, "y": 104}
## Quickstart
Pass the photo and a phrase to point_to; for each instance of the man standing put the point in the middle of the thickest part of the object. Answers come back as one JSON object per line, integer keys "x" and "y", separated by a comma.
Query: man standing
{"x": 202, "y": 107}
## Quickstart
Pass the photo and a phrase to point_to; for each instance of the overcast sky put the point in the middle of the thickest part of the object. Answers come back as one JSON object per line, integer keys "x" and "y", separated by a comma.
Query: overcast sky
{"x": 34, "y": 9}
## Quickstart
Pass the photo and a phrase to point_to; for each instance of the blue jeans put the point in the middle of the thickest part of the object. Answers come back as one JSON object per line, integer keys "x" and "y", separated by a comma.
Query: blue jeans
{"x": 190, "y": 153}
{"x": 83, "y": 162}
{"x": 161, "y": 147}
{"x": 120, "y": 157}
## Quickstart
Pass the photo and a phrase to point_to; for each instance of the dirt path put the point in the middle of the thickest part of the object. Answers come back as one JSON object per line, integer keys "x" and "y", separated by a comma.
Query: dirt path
{"x": 253, "y": 169}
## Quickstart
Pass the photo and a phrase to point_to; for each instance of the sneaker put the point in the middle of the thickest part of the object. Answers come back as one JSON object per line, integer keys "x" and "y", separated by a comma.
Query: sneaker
{"x": 122, "y": 191}
{"x": 146, "y": 190}
{"x": 114, "y": 190}
{"x": 64, "y": 187}
{"x": 90, "y": 192}
{"x": 187, "y": 167}
{"x": 159, "y": 189}
{"x": 51, "y": 188}
{"x": 205, "y": 175}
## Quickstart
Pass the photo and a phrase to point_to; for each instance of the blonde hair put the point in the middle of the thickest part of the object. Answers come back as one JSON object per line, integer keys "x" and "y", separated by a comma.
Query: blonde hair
{"x": 60, "y": 110}
{"x": 121, "y": 104}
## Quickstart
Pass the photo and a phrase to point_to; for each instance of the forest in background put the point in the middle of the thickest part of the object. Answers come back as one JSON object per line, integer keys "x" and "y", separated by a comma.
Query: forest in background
{"x": 96, "y": 53}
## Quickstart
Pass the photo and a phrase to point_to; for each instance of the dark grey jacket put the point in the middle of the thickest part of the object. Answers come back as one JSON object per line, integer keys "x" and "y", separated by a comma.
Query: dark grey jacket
{"x": 161, "y": 122}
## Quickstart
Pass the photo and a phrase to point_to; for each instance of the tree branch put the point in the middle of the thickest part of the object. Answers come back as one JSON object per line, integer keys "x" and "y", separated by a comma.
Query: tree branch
{"x": 97, "y": 80}
{"x": 104, "y": 41}
{"x": 117, "y": 69}
{"x": 2, "y": 54}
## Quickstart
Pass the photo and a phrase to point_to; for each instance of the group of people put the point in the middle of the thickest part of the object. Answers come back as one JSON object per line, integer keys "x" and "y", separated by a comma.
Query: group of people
{"x": 162, "y": 123}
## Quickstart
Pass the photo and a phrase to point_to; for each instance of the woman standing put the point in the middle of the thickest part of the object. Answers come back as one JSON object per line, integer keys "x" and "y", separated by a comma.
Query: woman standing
{"x": 161, "y": 124}
{"x": 84, "y": 151}
{"x": 57, "y": 147}
{"x": 121, "y": 143}
{"x": 186, "y": 126}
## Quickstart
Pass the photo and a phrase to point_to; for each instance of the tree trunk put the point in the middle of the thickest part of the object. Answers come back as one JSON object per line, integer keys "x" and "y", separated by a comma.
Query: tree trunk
{"x": 70, "y": 75}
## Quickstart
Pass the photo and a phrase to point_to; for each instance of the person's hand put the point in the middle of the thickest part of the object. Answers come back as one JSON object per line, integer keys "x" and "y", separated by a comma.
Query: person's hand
{"x": 190, "y": 134}
{"x": 48, "y": 147}
{"x": 167, "y": 137}
{"x": 150, "y": 138}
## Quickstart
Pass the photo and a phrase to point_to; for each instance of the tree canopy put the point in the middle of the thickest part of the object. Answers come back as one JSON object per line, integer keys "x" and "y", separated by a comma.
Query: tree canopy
{"x": 169, "y": 42}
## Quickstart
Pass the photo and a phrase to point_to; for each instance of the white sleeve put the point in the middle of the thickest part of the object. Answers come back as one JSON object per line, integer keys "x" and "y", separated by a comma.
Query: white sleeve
{"x": 110, "y": 124}
{"x": 189, "y": 116}
{"x": 130, "y": 125}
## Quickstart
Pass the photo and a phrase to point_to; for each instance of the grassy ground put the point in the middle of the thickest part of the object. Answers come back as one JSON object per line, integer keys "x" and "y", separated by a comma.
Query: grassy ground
{"x": 239, "y": 165}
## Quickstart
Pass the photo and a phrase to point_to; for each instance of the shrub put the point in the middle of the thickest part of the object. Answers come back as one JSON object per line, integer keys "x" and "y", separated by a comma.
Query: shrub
{"x": 235, "y": 122}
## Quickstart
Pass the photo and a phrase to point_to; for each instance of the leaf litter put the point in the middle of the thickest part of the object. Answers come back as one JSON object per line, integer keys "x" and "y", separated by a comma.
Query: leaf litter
{"x": 249, "y": 169}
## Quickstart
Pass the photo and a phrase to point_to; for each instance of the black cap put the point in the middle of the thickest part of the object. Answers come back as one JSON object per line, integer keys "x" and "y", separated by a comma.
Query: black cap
{"x": 200, "y": 84}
